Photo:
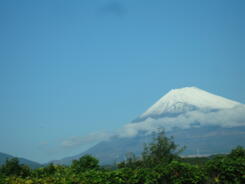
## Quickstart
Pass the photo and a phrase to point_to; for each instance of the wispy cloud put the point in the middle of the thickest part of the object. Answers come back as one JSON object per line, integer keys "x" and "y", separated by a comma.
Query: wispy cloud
{"x": 85, "y": 140}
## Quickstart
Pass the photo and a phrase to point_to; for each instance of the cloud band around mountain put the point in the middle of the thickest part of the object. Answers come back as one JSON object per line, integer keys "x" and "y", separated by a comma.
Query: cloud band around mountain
{"x": 232, "y": 117}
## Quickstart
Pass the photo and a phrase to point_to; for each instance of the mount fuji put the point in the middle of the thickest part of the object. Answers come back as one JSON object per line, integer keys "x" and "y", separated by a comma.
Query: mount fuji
{"x": 191, "y": 107}
{"x": 203, "y": 122}
{"x": 182, "y": 100}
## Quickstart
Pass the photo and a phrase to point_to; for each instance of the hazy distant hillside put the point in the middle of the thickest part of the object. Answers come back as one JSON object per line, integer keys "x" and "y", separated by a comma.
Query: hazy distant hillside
{"x": 4, "y": 157}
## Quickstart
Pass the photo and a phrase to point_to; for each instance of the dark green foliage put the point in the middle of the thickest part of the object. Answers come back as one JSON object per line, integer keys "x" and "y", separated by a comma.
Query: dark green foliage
{"x": 161, "y": 151}
{"x": 238, "y": 152}
{"x": 85, "y": 163}
{"x": 228, "y": 169}
{"x": 2, "y": 178}
{"x": 160, "y": 164}
{"x": 200, "y": 161}
{"x": 180, "y": 173}
{"x": 121, "y": 176}
{"x": 13, "y": 168}
{"x": 145, "y": 175}
{"x": 94, "y": 176}
{"x": 48, "y": 170}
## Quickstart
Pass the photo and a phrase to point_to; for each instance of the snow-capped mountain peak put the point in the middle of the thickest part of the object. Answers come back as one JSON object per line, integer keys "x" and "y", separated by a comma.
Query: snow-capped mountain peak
{"x": 188, "y": 98}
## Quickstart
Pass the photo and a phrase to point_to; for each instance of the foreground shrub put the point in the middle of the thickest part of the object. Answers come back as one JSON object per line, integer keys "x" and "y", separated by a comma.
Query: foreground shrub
{"x": 180, "y": 173}
{"x": 84, "y": 163}
{"x": 228, "y": 169}
{"x": 13, "y": 168}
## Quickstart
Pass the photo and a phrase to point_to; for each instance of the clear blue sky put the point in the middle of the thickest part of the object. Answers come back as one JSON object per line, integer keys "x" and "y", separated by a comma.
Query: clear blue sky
{"x": 70, "y": 68}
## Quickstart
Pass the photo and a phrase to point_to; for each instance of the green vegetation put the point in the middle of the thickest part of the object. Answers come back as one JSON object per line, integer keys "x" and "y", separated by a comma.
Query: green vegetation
{"x": 159, "y": 163}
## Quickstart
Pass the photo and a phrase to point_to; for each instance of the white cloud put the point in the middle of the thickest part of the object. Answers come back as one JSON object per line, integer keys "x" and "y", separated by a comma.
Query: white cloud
{"x": 232, "y": 117}
{"x": 225, "y": 118}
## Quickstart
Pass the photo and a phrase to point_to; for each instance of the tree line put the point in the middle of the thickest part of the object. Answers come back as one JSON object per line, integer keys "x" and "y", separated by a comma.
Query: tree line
{"x": 159, "y": 163}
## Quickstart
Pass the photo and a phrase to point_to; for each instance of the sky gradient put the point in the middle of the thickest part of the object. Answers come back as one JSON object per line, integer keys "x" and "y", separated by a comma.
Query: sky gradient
{"x": 72, "y": 68}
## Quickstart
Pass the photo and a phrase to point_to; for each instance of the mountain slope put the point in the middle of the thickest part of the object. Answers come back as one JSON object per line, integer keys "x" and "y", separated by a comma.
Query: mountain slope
{"x": 31, "y": 164}
{"x": 197, "y": 119}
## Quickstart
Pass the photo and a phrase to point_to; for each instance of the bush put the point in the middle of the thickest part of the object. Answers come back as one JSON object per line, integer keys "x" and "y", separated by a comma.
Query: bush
{"x": 180, "y": 173}
{"x": 226, "y": 169}
{"x": 13, "y": 168}
{"x": 84, "y": 163}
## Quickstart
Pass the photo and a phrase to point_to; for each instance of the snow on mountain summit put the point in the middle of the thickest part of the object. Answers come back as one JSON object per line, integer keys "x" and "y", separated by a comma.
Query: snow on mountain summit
{"x": 188, "y": 98}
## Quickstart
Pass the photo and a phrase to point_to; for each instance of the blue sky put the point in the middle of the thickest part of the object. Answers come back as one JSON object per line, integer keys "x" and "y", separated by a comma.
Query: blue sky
{"x": 71, "y": 68}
